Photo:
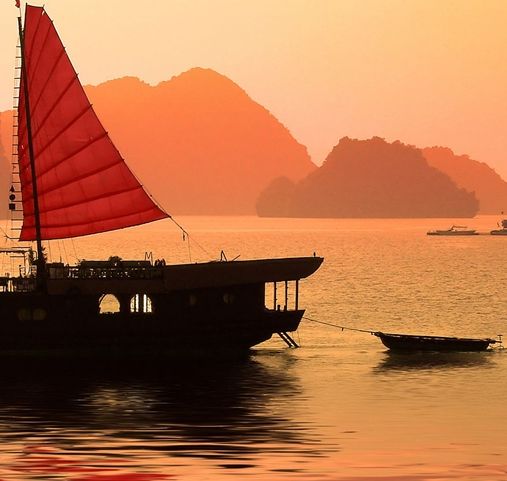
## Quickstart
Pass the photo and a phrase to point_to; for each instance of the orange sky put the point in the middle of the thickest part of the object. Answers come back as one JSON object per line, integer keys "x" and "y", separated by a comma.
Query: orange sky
{"x": 427, "y": 72}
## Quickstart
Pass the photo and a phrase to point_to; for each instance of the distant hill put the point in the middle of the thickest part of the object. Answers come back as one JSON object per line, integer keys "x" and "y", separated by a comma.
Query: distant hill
{"x": 198, "y": 142}
{"x": 490, "y": 189}
{"x": 369, "y": 178}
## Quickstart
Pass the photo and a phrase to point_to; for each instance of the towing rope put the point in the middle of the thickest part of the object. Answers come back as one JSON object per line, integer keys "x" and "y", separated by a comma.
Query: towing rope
{"x": 343, "y": 328}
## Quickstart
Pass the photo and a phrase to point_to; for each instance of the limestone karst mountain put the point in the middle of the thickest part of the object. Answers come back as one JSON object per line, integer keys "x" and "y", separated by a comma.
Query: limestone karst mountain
{"x": 490, "y": 189}
{"x": 370, "y": 178}
{"x": 198, "y": 142}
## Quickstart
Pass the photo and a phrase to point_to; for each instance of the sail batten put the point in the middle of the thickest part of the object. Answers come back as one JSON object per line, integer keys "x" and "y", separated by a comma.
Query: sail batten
{"x": 78, "y": 228}
{"x": 83, "y": 184}
{"x": 92, "y": 199}
{"x": 85, "y": 176}
{"x": 60, "y": 132}
{"x": 34, "y": 37}
{"x": 34, "y": 107}
{"x": 72, "y": 154}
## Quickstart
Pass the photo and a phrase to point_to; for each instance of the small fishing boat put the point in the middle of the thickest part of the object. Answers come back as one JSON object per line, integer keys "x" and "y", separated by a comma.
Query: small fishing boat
{"x": 411, "y": 342}
{"x": 502, "y": 230}
{"x": 454, "y": 230}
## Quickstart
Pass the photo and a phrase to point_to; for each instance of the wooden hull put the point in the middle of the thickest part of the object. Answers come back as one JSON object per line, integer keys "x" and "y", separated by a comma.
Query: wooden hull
{"x": 154, "y": 335}
{"x": 214, "y": 307}
{"x": 413, "y": 343}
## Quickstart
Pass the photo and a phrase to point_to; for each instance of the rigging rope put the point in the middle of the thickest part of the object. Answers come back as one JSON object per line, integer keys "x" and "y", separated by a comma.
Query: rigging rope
{"x": 59, "y": 249}
{"x": 186, "y": 236}
{"x": 65, "y": 252}
{"x": 5, "y": 235}
{"x": 189, "y": 249}
{"x": 48, "y": 244}
{"x": 74, "y": 248}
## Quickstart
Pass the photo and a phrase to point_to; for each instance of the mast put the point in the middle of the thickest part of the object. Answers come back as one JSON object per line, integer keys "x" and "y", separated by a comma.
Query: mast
{"x": 41, "y": 262}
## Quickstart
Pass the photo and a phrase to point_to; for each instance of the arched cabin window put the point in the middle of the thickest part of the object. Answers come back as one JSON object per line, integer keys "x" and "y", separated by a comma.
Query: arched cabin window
{"x": 228, "y": 298}
{"x": 141, "y": 303}
{"x": 109, "y": 304}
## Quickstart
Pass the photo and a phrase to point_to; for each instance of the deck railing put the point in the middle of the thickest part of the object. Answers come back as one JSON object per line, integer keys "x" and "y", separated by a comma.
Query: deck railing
{"x": 77, "y": 272}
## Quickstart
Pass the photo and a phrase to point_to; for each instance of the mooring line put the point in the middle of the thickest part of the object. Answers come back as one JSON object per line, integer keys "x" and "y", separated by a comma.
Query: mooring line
{"x": 343, "y": 328}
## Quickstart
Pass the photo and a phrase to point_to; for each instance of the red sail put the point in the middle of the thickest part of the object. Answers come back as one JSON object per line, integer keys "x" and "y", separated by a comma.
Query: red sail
{"x": 83, "y": 184}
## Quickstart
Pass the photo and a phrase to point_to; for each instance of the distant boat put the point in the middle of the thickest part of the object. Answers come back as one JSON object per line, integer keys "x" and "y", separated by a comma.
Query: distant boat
{"x": 410, "y": 343}
{"x": 502, "y": 231}
{"x": 454, "y": 230}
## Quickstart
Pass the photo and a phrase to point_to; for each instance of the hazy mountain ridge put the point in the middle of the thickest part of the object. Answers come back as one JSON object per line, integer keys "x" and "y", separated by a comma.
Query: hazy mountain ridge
{"x": 369, "y": 178}
{"x": 472, "y": 175}
{"x": 201, "y": 145}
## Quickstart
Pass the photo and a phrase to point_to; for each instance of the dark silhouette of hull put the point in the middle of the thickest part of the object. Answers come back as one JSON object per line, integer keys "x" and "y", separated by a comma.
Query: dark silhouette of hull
{"x": 70, "y": 181}
{"x": 208, "y": 307}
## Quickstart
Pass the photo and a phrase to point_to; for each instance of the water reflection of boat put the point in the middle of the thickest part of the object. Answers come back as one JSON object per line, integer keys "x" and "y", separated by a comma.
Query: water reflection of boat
{"x": 432, "y": 361}
{"x": 502, "y": 230}
{"x": 217, "y": 410}
{"x": 456, "y": 230}
{"x": 411, "y": 342}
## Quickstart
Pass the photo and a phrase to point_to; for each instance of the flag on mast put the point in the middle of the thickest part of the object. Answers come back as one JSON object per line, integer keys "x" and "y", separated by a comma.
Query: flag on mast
{"x": 17, "y": 4}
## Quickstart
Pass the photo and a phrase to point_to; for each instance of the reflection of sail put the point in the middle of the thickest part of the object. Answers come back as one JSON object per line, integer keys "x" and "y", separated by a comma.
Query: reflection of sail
{"x": 83, "y": 184}
{"x": 432, "y": 361}
{"x": 228, "y": 410}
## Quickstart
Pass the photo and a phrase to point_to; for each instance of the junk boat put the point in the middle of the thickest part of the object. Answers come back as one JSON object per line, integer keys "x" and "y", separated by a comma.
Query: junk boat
{"x": 74, "y": 182}
{"x": 454, "y": 230}
{"x": 410, "y": 343}
{"x": 502, "y": 230}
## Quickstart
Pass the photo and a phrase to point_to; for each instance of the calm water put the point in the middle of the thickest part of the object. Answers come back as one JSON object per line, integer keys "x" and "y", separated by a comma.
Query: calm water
{"x": 339, "y": 408}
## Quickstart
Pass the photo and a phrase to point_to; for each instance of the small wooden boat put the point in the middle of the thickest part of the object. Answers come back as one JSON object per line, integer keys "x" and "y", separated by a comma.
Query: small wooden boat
{"x": 411, "y": 342}
{"x": 454, "y": 230}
